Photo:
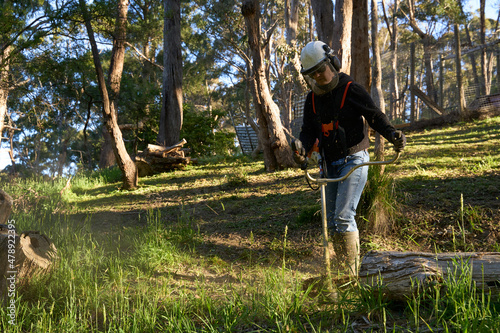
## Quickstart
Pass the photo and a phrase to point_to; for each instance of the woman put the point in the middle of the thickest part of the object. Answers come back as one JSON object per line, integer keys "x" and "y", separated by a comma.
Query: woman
{"x": 337, "y": 113}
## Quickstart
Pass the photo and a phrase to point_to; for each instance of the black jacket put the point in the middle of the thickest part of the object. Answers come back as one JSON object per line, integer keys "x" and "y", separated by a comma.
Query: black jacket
{"x": 342, "y": 131}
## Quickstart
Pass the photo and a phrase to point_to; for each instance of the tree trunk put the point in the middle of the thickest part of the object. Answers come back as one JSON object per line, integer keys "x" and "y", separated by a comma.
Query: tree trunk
{"x": 118, "y": 53}
{"x": 394, "y": 35}
{"x": 342, "y": 33}
{"x": 277, "y": 153}
{"x": 376, "y": 90}
{"x": 403, "y": 274}
{"x": 4, "y": 88}
{"x": 5, "y": 206}
{"x": 427, "y": 41}
{"x": 171, "y": 117}
{"x": 294, "y": 81}
{"x": 484, "y": 68}
{"x": 323, "y": 16}
{"x": 360, "y": 66}
{"x": 125, "y": 163}
{"x": 458, "y": 68}
{"x": 477, "y": 86}
{"x": 107, "y": 156}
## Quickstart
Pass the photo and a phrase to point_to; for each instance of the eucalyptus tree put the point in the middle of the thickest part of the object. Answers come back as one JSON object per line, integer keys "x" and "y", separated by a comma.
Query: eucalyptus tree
{"x": 360, "y": 47}
{"x": 109, "y": 99}
{"x": 392, "y": 24}
{"x": 277, "y": 153}
{"x": 48, "y": 108}
{"x": 424, "y": 19}
{"x": 464, "y": 19}
{"x": 377, "y": 92}
{"x": 171, "y": 112}
{"x": 23, "y": 26}
{"x": 225, "y": 27}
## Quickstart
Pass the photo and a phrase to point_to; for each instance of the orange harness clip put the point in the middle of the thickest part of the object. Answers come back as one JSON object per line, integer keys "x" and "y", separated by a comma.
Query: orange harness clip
{"x": 326, "y": 128}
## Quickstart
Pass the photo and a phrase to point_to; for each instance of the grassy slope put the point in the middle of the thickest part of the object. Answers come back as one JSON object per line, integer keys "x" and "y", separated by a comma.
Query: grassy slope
{"x": 226, "y": 246}
{"x": 237, "y": 199}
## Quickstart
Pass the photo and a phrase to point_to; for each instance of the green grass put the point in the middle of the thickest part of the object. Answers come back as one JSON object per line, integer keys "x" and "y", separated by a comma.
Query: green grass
{"x": 226, "y": 247}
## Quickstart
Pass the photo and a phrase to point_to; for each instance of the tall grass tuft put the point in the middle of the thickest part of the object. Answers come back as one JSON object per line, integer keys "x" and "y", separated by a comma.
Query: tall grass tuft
{"x": 378, "y": 203}
{"x": 456, "y": 305}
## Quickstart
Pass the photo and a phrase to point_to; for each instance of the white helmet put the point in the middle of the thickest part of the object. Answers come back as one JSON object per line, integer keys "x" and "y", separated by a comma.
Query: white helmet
{"x": 313, "y": 55}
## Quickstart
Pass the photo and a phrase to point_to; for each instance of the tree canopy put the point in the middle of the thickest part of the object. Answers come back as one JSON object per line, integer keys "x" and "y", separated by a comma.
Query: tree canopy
{"x": 51, "y": 118}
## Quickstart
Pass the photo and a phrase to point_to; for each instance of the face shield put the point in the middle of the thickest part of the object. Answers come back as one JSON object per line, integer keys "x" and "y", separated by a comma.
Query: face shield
{"x": 321, "y": 81}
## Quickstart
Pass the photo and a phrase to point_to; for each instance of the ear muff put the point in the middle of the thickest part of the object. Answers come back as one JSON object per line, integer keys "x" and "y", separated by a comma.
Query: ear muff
{"x": 333, "y": 59}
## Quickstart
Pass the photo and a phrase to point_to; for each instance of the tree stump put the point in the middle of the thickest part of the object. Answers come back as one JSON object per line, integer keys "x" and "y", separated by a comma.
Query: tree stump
{"x": 403, "y": 274}
{"x": 22, "y": 257}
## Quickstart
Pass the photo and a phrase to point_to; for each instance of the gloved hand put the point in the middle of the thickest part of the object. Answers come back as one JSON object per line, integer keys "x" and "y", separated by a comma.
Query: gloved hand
{"x": 299, "y": 153}
{"x": 315, "y": 159}
{"x": 399, "y": 140}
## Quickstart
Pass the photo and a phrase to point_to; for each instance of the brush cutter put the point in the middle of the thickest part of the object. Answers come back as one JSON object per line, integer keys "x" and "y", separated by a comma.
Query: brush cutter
{"x": 322, "y": 182}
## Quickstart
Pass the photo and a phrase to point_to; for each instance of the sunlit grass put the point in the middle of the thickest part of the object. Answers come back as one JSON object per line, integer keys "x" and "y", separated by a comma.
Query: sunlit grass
{"x": 165, "y": 272}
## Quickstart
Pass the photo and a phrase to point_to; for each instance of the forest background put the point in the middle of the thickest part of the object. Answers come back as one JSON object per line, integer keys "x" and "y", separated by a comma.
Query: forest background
{"x": 53, "y": 121}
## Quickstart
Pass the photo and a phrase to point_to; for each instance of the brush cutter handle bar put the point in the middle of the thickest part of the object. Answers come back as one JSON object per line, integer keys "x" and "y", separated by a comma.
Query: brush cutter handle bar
{"x": 334, "y": 180}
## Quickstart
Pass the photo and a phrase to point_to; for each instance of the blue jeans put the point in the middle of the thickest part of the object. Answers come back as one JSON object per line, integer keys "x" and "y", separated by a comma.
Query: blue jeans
{"x": 342, "y": 198}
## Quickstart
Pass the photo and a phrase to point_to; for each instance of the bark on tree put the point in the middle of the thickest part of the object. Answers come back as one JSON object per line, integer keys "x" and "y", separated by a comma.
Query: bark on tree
{"x": 484, "y": 68}
{"x": 472, "y": 55}
{"x": 171, "y": 117}
{"x": 125, "y": 163}
{"x": 403, "y": 274}
{"x": 277, "y": 153}
{"x": 5, "y": 206}
{"x": 342, "y": 33}
{"x": 336, "y": 33}
{"x": 107, "y": 158}
{"x": 427, "y": 41}
{"x": 376, "y": 90}
{"x": 294, "y": 82}
{"x": 323, "y": 16}
{"x": 4, "y": 88}
{"x": 392, "y": 28}
{"x": 360, "y": 66}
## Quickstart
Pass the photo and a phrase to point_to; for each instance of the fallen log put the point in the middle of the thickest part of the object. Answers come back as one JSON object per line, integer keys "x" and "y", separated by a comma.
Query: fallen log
{"x": 402, "y": 274}
{"x": 151, "y": 149}
{"x": 157, "y": 159}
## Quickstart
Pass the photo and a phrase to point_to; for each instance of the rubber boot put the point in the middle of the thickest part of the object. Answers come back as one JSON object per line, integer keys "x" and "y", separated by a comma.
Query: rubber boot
{"x": 346, "y": 246}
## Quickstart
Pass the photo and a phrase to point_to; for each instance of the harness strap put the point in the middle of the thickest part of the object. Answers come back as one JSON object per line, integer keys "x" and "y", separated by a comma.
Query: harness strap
{"x": 314, "y": 108}
{"x": 326, "y": 128}
{"x": 345, "y": 93}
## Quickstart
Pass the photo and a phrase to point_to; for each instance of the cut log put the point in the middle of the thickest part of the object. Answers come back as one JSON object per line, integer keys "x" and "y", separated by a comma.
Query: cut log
{"x": 158, "y": 159}
{"x": 402, "y": 274}
{"x": 22, "y": 257}
{"x": 155, "y": 148}
{"x": 143, "y": 167}
{"x": 5, "y": 206}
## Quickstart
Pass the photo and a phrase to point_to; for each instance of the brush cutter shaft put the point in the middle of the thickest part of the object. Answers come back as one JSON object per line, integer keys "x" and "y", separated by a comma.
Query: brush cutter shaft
{"x": 322, "y": 182}
{"x": 334, "y": 180}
